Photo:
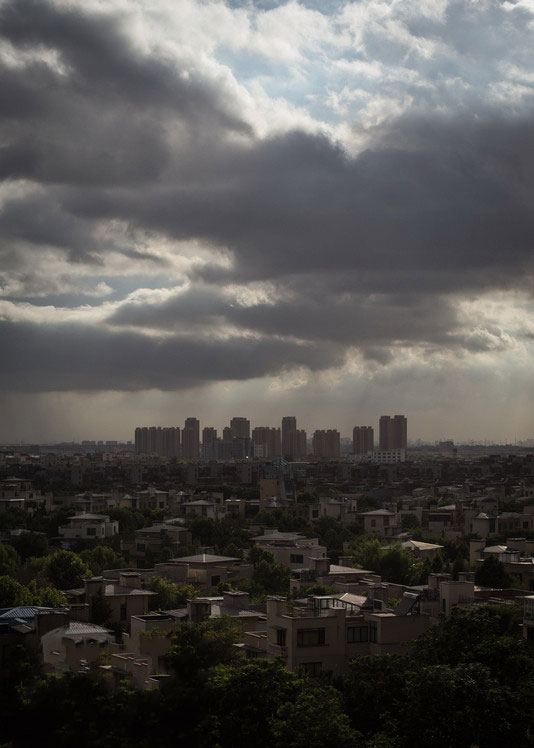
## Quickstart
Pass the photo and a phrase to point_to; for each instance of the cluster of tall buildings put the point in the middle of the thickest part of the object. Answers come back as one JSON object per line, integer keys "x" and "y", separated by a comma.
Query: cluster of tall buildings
{"x": 392, "y": 435}
{"x": 264, "y": 442}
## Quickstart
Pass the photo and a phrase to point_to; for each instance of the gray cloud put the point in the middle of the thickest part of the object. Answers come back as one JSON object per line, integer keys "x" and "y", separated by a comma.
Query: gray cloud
{"x": 73, "y": 357}
{"x": 371, "y": 251}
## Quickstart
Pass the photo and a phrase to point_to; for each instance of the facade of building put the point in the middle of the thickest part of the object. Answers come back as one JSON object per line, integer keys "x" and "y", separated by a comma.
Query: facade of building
{"x": 191, "y": 439}
{"x": 240, "y": 428}
{"x": 157, "y": 440}
{"x": 294, "y": 441}
{"x": 363, "y": 440}
{"x": 89, "y": 528}
{"x": 291, "y": 549}
{"x": 393, "y": 433}
{"x": 326, "y": 634}
{"x": 267, "y": 441}
{"x": 209, "y": 443}
{"x": 326, "y": 443}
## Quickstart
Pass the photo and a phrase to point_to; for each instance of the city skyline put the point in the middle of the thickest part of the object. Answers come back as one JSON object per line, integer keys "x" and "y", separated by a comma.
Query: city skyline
{"x": 272, "y": 207}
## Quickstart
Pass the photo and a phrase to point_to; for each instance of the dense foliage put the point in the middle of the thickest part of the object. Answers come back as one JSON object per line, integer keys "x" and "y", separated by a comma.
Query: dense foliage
{"x": 468, "y": 682}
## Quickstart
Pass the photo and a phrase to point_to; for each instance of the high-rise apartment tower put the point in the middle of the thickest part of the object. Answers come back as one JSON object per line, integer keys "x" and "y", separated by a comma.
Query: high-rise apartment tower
{"x": 363, "y": 440}
{"x": 393, "y": 432}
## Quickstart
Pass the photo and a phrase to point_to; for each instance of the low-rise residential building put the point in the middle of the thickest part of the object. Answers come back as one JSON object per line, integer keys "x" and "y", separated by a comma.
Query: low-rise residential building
{"x": 151, "y": 540}
{"x": 291, "y": 549}
{"x": 89, "y": 528}
{"x": 123, "y": 599}
{"x": 26, "y": 624}
{"x": 144, "y": 650}
{"x": 326, "y": 633}
{"x": 16, "y": 493}
{"x": 205, "y": 570}
{"x": 74, "y": 646}
{"x": 382, "y": 521}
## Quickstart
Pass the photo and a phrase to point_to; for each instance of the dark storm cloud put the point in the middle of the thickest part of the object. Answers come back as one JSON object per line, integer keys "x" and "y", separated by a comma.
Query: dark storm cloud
{"x": 354, "y": 319}
{"x": 368, "y": 252}
{"x": 69, "y": 357}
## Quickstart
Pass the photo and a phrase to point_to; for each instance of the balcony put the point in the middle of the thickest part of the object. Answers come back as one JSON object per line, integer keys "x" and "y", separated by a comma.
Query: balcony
{"x": 277, "y": 650}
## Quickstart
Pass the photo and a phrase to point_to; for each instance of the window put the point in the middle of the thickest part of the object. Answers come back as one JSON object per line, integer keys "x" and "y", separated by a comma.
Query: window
{"x": 123, "y": 613}
{"x": 373, "y": 523}
{"x": 281, "y": 637}
{"x": 311, "y": 669}
{"x": 141, "y": 547}
{"x": 296, "y": 558}
{"x": 310, "y": 637}
{"x": 357, "y": 634}
{"x": 215, "y": 580}
{"x": 372, "y": 632}
{"x": 91, "y": 531}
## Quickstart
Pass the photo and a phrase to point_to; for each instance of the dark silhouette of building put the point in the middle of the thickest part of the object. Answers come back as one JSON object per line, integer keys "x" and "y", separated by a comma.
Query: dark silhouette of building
{"x": 393, "y": 432}
{"x": 191, "y": 439}
{"x": 363, "y": 440}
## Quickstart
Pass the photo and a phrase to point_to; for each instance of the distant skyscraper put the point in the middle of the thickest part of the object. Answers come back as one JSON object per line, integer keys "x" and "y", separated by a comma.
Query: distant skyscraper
{"x": 164, "y": 442}
{"x": 294, "y": 443}
{"x": 363, "y": 440}
{"x": 266, "y": 442}
{"x": 240, "y": 428}
{"x": 191, "y": 439}
{"x": 209, "y": 443}
{"x": 326, "y": 443}
{"x": 393, "y": 432}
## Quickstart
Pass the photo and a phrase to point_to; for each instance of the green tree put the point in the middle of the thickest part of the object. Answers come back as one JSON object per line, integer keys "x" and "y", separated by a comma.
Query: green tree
{"x": 396, "y": 564}
{"x": 29, "y": 544}
{"x": 9, "y": 559}
{"x": 314, "y": 719}
{"x": 45, "y": 595}
{"x": 169, "y": 594}
{"x": 409, "y": 521}
{"x": 271, "y": 577}
{"x": 458, "y": 637}
{"x": 66, "y": 569}
{"x": 478, "y": 703}
{"x": 12, "y": 593}
{"x": 491, "y": 573}
{"x": 101, "y": 557}
{"x": 198, "y": 647}
{"x": 368, "y": 554}
{"x": 247, "y": 696}
{"x": 100, "y": 609}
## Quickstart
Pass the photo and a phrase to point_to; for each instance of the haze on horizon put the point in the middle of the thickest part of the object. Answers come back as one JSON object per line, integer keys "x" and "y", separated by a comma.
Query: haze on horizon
{"x": 260, "y": 209}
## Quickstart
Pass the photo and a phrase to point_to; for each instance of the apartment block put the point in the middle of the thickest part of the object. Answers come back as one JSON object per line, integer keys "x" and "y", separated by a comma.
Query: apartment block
{"x": 363, "y": 440}
{"x": 191, "y": 439}
{"x": 325, "y": 634}
{"x": 393, "y": 433}
{"x": 326, "y": 443}
{"x": 291, "y": 549}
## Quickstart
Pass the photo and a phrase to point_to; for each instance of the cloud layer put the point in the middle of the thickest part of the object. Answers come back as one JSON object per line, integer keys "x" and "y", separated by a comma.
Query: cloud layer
{"x": 198, "y": 193}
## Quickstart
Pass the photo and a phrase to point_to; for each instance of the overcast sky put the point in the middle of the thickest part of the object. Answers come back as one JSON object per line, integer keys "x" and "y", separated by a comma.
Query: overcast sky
{"x": 320, "y": 209}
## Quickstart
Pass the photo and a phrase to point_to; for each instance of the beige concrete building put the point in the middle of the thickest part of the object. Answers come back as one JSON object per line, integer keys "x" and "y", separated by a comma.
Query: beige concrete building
{"x": 125, "y": 598}
{"x": 88, "y": 527}
{"x": 153, "y": 539}
{"x": 382, "y": 521}
{"x": 74, "y": 647}
{"x": 205, "y": 570}
{"x": 291, "y": 549}
{"x": 326, "y": 633}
